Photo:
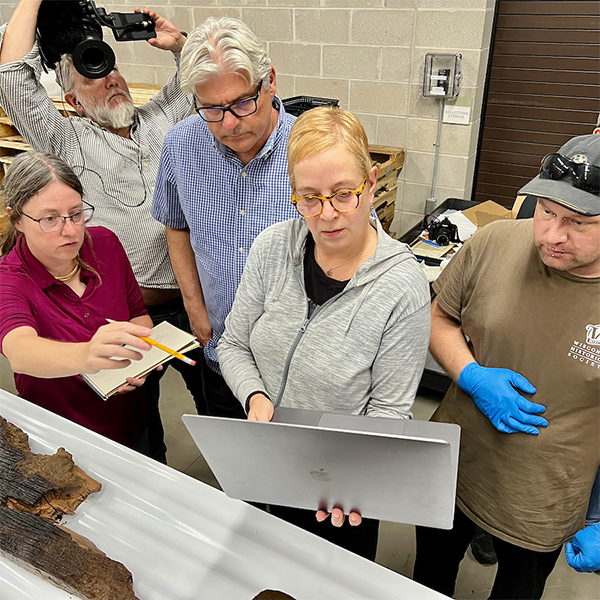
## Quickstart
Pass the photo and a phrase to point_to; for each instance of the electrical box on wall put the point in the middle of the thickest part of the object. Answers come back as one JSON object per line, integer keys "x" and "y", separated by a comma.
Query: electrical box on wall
{"x": 442, "y": 75}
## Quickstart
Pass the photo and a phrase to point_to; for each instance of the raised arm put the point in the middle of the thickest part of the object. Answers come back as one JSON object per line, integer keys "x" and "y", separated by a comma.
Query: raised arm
{"x": 22, "y": 96}
{"x": 20, "y": 32}
{"x": 171, "y": 100}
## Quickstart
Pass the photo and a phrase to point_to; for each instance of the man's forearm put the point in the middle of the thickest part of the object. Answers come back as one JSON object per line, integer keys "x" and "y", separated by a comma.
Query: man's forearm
{"x": 447, "y": 344}
{"x": 19, "y": 36}
{"x": 184, "y": 264}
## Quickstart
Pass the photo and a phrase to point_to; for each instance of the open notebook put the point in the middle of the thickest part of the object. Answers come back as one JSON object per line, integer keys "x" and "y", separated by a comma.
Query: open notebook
{"x": 106, "y": 383}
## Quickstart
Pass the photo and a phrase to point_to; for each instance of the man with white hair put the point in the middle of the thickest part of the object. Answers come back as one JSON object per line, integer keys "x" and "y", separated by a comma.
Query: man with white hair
{"x": 222, "y": 180}
{"x": 115, "y": 150}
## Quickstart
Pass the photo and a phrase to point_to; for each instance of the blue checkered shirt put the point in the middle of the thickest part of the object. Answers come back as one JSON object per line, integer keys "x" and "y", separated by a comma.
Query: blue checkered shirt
{"x": 203, "y": 186}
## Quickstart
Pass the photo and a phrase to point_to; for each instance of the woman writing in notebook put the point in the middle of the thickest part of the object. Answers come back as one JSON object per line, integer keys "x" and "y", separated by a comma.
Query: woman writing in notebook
{"x": 59, "y": 283}
{"x": 331, "y": 313}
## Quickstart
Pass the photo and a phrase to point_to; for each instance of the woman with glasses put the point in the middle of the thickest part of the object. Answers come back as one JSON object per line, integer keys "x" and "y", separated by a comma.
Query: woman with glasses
{"x": 331, "y": 314}
{"x": 59, "y": 283}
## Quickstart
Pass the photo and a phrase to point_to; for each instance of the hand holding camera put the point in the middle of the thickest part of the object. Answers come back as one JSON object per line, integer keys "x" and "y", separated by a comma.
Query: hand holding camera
{"x": 168, "y": 37}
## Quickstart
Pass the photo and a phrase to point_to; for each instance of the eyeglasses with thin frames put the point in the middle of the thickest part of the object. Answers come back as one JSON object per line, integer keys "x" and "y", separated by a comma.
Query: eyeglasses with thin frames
{"x": 240, "y": 109}
{"x": 344, "y": 201}
{"x": 55, "y": 222}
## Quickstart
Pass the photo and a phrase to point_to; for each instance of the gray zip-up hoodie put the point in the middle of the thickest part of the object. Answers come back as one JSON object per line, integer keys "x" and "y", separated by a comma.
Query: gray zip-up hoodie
{"x": 362, "y": 352}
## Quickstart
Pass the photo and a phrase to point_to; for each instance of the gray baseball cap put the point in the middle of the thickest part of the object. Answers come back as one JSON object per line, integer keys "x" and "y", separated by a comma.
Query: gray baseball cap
{"x": 584, "y": 149}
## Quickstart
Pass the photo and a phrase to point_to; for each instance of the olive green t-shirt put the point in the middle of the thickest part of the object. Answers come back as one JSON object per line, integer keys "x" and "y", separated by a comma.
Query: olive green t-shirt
{"x": 531, "y": 491}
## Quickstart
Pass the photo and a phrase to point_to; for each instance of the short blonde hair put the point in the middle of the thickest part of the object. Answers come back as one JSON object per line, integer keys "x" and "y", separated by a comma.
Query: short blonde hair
{"x": 322, "y": 128}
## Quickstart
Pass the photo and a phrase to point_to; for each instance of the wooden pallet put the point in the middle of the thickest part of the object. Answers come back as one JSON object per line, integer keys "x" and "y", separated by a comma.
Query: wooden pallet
{"x": 5, "y": 161}
{"x": 389, "y": 161}
{"x": 15, "y": 142}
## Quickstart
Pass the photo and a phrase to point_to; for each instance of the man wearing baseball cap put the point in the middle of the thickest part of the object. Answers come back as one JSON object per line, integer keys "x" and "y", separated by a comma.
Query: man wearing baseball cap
{"x": 516, "y": 325}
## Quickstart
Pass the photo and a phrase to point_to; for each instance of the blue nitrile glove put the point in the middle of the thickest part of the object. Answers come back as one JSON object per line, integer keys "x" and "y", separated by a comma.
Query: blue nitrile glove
{"x": 583, "y": 551}
{"x": 494, "y": 393}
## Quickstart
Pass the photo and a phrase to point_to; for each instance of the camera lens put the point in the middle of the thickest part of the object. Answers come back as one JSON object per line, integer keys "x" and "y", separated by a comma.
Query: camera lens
{"x": 442, "y": 239}
{"x": 93, "y": 58}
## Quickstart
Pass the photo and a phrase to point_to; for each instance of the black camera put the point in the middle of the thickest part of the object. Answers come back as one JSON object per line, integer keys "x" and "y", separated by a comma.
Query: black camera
{"x": 443, "y": 232}
{"x": 75, "y": 27}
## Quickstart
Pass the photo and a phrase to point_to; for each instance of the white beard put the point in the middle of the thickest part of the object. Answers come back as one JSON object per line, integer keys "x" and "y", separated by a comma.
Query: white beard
{"x": 113, "y": 118}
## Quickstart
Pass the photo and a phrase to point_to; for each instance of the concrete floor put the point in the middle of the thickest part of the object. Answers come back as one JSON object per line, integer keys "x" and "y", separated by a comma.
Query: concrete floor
{"x": 396, "y": 549}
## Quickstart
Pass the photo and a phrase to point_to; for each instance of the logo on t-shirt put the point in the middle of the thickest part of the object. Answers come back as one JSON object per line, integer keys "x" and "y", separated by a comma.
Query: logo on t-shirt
{"x": 593, "y": 334}
{"x": 587, "y": 353}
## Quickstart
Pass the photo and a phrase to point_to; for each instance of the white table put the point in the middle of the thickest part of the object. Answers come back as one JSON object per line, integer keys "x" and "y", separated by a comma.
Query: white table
{"x": 184, "y": 540}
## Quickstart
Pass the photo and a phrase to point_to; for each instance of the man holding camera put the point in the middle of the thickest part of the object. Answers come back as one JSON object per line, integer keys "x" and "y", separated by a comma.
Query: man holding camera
{"x": 223, "y": 179}
{"x": 516, "y": 324}
{"x": 114, "y": 148}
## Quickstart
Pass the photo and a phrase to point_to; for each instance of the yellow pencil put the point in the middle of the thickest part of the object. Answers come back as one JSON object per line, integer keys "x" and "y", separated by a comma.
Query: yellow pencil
{"x": 174, "y": 353}
{"x": 166, "y": 349}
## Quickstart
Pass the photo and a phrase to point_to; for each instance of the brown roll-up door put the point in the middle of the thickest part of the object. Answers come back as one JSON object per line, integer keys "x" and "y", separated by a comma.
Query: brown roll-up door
{"x": 543, "y": 88}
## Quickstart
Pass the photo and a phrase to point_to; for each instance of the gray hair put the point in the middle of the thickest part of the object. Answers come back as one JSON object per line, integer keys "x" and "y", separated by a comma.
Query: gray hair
{"x": 65, "y": 74}
{"x": 223, "y": 46}
{"x": 27, "y": 176}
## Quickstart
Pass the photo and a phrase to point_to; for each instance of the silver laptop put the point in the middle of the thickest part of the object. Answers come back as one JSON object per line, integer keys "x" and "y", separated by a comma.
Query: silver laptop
{"x": 387, "y": 469}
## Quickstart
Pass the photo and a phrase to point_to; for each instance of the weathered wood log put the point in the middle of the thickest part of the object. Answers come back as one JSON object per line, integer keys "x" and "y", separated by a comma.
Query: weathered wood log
{"x": 272, "y": 595}
{"x": 41, "y": 484}
{"x": 60, "y": 556}
{"x": 35, "y": 491}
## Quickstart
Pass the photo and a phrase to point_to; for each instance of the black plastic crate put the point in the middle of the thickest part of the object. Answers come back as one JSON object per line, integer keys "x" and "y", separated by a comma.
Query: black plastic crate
{"x": 299, "y": 104}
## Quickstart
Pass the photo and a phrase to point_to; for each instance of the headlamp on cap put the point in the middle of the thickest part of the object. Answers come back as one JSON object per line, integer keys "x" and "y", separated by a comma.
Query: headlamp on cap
{"x": 571, "y": 176}
{"x": 582, "y": 176}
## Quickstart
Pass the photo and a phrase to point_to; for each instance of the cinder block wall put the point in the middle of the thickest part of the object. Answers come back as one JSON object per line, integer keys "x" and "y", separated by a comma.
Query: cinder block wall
{"x": 369, "y": 54}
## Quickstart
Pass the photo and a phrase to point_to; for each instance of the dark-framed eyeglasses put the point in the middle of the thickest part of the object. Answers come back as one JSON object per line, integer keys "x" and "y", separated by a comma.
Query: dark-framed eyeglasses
{"x": 583, "y": 176}
{"x": 57, "y": 222}
{"x": 240, "y": 109}
{"x": 344, "y": 201}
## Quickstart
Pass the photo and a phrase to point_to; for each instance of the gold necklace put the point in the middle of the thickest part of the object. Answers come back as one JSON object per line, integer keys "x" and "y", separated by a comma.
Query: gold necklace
{"x": 330, "y": 269}
{"x": 72, "y": 274}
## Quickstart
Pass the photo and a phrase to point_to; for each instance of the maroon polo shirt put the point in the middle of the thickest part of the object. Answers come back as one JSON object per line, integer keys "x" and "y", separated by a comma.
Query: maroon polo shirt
{"x": 31, "y": 296}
